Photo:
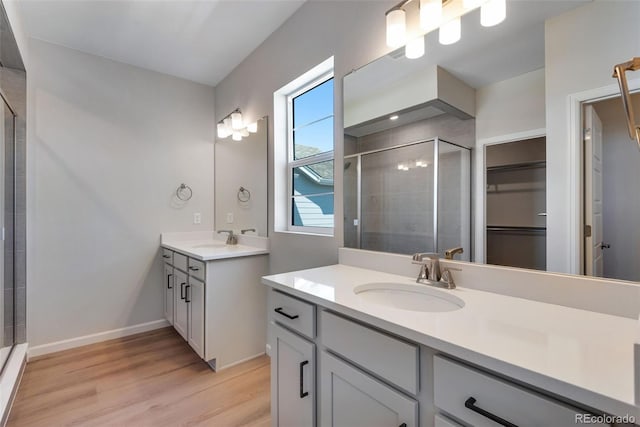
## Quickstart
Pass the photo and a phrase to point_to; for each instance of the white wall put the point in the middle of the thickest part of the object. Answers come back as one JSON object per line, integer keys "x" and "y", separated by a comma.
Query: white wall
{"x": 108, "y": 145}
{"x": 582, "y": 46}
{"x": 511, "y": 106}
{"x": 352, "y": 31}
{"x": 620, "y": 206}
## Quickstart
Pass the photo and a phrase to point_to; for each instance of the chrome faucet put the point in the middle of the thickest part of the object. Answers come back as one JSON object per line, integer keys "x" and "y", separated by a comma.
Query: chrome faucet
{"x": 247, "y": 229}
{"x": 232, "y": 239}
{"x": 430, "y": 273}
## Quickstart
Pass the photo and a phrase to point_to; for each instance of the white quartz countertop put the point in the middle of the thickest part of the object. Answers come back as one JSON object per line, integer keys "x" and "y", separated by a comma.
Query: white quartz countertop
{"x": 210, "y": 246}
{"x": 584, "y": 356}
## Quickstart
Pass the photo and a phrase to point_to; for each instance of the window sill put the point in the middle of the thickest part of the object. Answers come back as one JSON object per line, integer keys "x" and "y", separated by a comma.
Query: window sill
{"x": 306, "y": 233}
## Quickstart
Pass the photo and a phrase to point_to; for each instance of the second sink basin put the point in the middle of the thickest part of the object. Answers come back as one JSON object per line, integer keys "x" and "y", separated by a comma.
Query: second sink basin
{"x": 409, "y": 297}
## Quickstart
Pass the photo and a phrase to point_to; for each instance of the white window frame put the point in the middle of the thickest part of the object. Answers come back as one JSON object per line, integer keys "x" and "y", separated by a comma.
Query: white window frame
{"x": 317, "y": 158}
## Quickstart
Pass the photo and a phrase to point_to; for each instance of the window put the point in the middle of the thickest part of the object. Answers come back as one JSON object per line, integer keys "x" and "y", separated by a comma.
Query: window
{"x": 310, "y": 160}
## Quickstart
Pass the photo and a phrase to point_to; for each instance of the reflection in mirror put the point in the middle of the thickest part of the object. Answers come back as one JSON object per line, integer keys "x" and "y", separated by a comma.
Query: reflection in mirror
{"x": 241, "y": 183}
{"x": 498, "y": 92}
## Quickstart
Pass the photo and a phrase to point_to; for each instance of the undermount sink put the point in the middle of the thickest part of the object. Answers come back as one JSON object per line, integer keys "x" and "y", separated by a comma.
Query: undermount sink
{"x": 409, "y": 297}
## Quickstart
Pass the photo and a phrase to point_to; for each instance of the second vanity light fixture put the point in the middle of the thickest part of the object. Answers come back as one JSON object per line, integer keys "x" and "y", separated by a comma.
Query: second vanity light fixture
{"x": 233, "y": 126}
{"x": 443, "y": 15}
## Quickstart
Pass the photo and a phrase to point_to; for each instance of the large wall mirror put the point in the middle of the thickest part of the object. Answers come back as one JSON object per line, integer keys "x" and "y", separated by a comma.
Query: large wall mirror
{"x": 450, "y": 150}
{"x": 241, "y": 183}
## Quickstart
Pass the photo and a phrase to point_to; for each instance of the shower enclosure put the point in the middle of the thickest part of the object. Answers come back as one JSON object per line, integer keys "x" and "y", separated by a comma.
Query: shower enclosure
{"x": 409, "y": 198}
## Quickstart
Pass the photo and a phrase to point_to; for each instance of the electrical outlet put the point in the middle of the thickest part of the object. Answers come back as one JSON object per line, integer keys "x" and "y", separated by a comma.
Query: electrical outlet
{"x": 197, "y": 218}
{"x": 230, "y": 218}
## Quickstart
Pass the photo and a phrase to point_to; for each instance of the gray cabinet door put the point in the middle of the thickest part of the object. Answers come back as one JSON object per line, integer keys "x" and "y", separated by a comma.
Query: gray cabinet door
{"x": 351, "y": 398}
{"x": 293, "y": 390}
{"x": 180, "y": 318}
{"x": 195, "y": 302}
{"x": 168, "y": 286}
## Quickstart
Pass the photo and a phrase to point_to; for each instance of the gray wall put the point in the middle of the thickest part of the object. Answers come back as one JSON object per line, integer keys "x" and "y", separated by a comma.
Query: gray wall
{"x": 108, "y": 145}
{"x": 352, "y": 31}
{"x": 621, "y": 204}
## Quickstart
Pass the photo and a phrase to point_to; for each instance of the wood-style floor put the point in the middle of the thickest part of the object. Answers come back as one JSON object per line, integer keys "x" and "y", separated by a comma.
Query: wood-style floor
{"x": 150, "y": 379}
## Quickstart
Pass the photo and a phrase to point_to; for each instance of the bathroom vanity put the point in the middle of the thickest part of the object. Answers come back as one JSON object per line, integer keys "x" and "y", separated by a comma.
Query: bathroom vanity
{"x": 212, "y": 295}
{"x": 352, "y": 346}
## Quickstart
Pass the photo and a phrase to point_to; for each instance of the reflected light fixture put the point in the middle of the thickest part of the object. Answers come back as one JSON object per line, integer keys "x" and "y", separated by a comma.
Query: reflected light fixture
{"x": 408, "y": 31}
{"x": 233, "y": 126}
{"x": 396, "y": 27}
{"x": 493, "y": 12}
{"x": 430, "y": 14}
{"x": 450, "y": 32}
{"x": 414, "y": 48}
{"x": 394, "y": 117}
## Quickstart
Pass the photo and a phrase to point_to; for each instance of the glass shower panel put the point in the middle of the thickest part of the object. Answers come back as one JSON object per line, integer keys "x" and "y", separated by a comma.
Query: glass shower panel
{"x": 350, "y": 184}
{"x": 397, "y": 199}
{"x": 454, "y": 199}
{"x": 7, "y": 184}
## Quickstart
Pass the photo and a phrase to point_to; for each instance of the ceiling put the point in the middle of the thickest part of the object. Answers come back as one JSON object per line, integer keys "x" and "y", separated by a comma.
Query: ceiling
{"x": 202, "y": 41}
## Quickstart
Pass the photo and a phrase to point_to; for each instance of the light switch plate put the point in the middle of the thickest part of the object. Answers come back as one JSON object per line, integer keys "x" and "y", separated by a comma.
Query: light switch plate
{"x": 230, "y": 218}
{"x": 197, "y": 218}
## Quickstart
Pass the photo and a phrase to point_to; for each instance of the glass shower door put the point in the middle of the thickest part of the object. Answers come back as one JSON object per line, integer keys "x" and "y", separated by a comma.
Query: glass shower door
{"x": 397, "y": 199}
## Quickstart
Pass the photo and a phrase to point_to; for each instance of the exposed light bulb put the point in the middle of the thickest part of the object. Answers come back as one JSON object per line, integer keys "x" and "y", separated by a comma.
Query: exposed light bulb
{"x": 396, "y": 28}
{"x": 252, "y": 127}
{"x": 236, "y": 136}
{"x": 430, "y": 14}
{"x": 236, "y": 120}
{"x": 414, "y": 48}
{"x": 223, "y": 131}
{"x": 471, "y": 4}
{"x": 493, "y": 12}
{"x": 450, "y": 32}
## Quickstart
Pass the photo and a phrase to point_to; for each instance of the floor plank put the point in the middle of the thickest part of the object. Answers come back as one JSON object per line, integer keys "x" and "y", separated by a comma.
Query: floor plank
{"x": 150, "y": 379}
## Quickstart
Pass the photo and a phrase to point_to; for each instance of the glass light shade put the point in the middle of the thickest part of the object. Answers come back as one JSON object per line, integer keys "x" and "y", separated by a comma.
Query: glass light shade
{"x": 244, "y": 132}
{"x": 252, "y": 127}
{"x": 471, "y": 4}
{"x": 223, "y": 131}
{"x": 450, "y": 32}
{"x": 493, "y": 12}
{"x": 236, "y": 136}
{"x": 227, "y": 122}
{"x": 430, "y": 14}
{"x": 414, "y": 48}
{"x": 236, "y": 120}
{"x": 396, "y": 28}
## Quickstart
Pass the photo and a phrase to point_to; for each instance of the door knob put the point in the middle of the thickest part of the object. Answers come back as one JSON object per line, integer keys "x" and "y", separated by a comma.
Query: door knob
{"x": 605, "y": 246}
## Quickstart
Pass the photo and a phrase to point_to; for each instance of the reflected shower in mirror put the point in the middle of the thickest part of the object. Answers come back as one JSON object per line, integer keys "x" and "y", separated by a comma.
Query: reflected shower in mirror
{"x": 241, "y": 183}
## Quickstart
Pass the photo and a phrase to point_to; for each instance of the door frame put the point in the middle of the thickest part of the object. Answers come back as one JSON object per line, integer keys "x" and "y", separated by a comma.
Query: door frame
{"x": 575, "y": 110}
{"x": 480, "y": 186}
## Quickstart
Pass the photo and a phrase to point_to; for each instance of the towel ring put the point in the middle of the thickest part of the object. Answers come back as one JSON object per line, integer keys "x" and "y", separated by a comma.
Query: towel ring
{"x": 244, "y": 195}
{"x": 184, "y": 192}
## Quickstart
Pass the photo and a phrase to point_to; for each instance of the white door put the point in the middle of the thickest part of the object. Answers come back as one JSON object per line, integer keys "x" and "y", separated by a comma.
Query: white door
{"x": 351, "y": 398}
{"x": 293, "y": 380}
{"x": 169, "y": 299}
{"x": 195, "y": 302}
{"x": 181, "y": 315}
{"x": 594, "y": 245}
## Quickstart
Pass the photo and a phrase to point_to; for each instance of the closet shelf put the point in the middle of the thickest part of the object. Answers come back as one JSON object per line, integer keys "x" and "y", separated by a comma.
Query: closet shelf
{"x": 518, "y": 166}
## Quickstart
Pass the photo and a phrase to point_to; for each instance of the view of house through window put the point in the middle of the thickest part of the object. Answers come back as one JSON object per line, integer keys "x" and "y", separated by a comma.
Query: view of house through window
{"x": 310, "y": 156}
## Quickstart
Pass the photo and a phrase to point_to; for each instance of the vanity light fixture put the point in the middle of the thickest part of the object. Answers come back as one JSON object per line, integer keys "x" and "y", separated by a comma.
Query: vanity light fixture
{"x": 233, "y": 126}
{"x": 443, "y": 15}
{"x": 394, "y": 117}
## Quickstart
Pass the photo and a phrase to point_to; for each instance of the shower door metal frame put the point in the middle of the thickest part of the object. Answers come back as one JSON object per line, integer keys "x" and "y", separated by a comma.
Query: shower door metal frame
{"x": 436, "y": 151}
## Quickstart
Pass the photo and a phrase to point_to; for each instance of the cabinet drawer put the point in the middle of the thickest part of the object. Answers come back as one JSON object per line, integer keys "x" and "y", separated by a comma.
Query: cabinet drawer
{"x": 388, "y": 357}
{"x": 464, "y": 392}
{"x": 293, "y": 313}
{"x": 196, "y": 269}
{"x": 180, "y": 261}
{"x": 442, "y": 421}
{"x": 167, "y": 255}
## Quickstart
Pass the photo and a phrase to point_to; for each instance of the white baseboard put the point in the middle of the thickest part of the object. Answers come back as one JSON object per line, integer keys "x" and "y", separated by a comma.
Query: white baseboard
{"x": 53, "y": 347}
{"x": 237, "y": 362}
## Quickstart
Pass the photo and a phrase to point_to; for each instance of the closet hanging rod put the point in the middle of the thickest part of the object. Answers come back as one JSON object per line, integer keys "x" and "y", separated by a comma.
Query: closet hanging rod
{"x": 516, "y": 166}
{"x": 517, "y": 229}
